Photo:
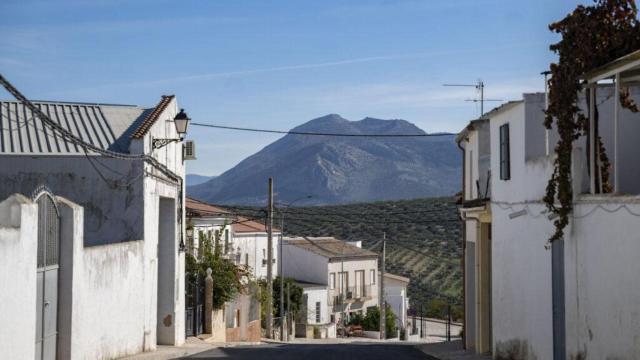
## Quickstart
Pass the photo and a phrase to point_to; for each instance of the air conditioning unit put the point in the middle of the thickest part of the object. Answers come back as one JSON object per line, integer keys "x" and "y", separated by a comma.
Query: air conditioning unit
{"x": 189, "y": 150}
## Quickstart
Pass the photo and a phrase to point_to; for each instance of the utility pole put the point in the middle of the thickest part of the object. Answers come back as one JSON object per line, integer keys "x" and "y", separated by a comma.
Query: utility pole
{"x": 383, "y": 303}
{"x": 270, "y": 261}
{"x": 288, "y": 308}
{"x": 281, "y": 279}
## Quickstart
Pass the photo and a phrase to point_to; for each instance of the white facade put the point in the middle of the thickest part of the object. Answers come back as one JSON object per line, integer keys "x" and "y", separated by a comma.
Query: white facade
{"x": 317, "y": 303}
{"x": 352, "y": 281}
{"x": 591, "y": 279}
{"x": 121, "y": 277}
{"x": 18, "y": 228}
{"x": 395, "y": 294}
{"x": 250, "y": 248}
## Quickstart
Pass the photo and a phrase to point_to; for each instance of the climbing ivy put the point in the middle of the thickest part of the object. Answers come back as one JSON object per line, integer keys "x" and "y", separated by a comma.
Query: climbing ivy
{"x": 591, "y": 37}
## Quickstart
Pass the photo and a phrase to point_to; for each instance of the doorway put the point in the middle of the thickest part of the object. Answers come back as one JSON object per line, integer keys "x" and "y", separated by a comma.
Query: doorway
{"x": 167, "y": 284}
{"x": 47, "y": 277}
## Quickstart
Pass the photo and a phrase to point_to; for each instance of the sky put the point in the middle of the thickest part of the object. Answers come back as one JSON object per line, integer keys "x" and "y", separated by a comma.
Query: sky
{"x": 277, "y": 64}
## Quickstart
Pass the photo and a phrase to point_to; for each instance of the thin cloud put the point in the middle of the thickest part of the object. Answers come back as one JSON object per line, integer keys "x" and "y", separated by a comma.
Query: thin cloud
{"x": 240, "y": 73}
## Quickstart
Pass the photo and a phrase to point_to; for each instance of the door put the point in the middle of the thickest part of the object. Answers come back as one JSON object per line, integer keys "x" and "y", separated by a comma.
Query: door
{"x": 360, "y": 284}
{"x": 47, "y": 278}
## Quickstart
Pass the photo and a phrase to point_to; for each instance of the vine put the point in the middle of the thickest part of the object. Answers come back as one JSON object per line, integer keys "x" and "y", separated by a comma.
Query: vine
{"x": 591, "y": 37}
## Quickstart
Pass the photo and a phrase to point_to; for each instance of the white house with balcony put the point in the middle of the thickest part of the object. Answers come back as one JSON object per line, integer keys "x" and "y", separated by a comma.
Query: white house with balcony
{"x": 576, "y": 297}
{"x": 349, "y": 272}
{"x": 91, "y": 228}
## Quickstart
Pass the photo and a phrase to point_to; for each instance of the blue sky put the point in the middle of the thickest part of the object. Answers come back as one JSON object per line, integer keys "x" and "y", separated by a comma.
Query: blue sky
{"x": 277, "y": 64}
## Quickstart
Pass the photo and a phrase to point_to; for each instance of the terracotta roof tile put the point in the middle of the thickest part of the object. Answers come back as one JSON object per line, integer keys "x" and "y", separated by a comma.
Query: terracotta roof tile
{"x": 152, "y": 117}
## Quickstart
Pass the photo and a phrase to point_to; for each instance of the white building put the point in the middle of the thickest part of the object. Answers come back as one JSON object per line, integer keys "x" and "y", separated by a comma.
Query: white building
{"x": 395, "y": 295}
{"x": 348, "y": 271}
{"x": 250, "y": 240}
{"x": 576, "y": 297}
{"x": 242, "y": 240}
{"x": 112, "y": 282}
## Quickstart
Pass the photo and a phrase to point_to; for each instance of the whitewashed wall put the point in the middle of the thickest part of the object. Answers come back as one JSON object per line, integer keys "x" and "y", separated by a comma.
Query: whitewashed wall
{"x": 317, "y": 294}
{"x": 395, "y": 294}
{"x": 101, "y": 294}
{"x": 602, "y": 285}
{"x": 521, "y": 265}
{"x": 304, "y": 265}
{"x": 18, "y": 251}
{"x": 255, "y": 245}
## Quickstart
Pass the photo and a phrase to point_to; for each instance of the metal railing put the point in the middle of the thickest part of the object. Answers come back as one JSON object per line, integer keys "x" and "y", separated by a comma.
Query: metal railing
{"x": 350, "y": 294}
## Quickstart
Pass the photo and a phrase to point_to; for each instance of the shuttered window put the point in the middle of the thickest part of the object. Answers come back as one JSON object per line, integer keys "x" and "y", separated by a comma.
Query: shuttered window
{"x": 318, "y": 313}
{"x": 505, "y": 156}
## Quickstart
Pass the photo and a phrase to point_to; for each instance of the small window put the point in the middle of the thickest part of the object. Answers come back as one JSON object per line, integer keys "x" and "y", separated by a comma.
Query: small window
{"x": 246, "y": 259}
{"x": 332, "y": 281}
{"x": 505, "y": 165}
{"x": 318, "y": 312}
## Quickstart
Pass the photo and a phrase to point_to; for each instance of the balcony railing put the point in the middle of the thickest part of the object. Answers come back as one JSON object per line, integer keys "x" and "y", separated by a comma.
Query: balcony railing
{"x": 350, "y": 294}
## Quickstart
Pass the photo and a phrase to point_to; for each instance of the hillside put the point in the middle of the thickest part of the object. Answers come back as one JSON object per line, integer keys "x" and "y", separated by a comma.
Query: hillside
{"x": 195, "y": 179}
{"x": 342, "y": 170}
{"x": 423, "y": 238}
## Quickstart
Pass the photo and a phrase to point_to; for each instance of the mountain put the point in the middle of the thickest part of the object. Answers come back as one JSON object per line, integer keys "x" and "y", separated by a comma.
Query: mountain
{"x": 195, "y": 179}
{"x": 340, "y": 170}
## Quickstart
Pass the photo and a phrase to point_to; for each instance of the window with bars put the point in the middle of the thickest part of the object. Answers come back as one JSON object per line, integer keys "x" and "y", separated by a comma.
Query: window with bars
{"x": 505, "y": 156}
{"x": 318, "y": 312}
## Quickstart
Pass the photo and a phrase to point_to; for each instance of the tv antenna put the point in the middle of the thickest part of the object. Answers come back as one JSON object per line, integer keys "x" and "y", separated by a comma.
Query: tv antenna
{"x": 480, "y": 87}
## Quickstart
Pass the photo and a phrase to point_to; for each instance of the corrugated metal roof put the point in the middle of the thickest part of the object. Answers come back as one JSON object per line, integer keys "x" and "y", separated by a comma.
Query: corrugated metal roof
{"x": 105, "y": 126}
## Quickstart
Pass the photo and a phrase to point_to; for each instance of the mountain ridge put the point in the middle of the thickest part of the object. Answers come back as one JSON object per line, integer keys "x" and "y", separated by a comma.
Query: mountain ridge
{"x": 340, "y": 170}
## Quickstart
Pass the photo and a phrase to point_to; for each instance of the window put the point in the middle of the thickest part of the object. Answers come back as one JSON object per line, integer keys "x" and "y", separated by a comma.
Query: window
{"x": 332, "y": 281}
{"x": 246, "y": 259}
{"x": 360, "y": 288}
{"x": 505, "y": 168}
{"x": 318, "y": 312}
{"x": 372, "y": 279}
{"x": 344, "y": 282}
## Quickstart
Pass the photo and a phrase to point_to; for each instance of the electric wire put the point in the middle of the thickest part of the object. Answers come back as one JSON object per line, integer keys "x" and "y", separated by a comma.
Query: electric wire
{"x": 305, "y": 133}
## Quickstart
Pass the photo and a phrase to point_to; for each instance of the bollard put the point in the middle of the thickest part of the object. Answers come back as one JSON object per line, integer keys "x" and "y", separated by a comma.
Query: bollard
{"x": 208, "y": 303}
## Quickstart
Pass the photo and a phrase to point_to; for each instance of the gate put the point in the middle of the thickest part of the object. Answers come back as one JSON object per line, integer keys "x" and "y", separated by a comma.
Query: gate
{"x": 47, "y": 277}
{"x": 194, "y": 300}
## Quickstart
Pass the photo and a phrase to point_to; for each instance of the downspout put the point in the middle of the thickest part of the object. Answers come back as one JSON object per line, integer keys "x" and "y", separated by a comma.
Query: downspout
{"x": 464, "y": 251}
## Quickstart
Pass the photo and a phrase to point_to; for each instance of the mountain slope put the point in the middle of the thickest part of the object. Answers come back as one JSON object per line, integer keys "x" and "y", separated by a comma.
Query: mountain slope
{"x": 195, "y": 179}
{"x": 342, "y": 169}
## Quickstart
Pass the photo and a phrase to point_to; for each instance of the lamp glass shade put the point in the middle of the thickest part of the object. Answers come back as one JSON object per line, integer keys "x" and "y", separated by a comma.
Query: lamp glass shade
{"x": 181, "y": 121}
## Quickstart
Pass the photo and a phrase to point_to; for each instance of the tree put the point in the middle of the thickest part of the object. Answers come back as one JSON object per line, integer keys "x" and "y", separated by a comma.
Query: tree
{"x": 227, "y": 276}
{"x": 296, "y": 297}
{"x": 592, "y": 36}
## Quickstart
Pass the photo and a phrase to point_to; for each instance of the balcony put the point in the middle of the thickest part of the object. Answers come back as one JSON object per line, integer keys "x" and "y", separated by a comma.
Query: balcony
{"x": 350, "y": 295}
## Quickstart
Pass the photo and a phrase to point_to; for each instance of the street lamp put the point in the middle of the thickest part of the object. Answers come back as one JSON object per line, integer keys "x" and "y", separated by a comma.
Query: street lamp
{"x": 181, "y": 122}
{"x": 281, "y": 271}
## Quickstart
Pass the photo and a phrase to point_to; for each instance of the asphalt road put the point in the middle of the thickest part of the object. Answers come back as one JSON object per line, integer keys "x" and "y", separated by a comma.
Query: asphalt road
{"x": 351, "y": 351}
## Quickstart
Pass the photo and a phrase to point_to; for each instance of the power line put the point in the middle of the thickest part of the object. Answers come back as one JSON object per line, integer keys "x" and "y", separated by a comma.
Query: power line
{"x": 291, "y": 132}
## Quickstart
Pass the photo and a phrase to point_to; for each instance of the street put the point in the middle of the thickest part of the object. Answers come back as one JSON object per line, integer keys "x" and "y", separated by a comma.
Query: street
{"x": 350, "y": 351}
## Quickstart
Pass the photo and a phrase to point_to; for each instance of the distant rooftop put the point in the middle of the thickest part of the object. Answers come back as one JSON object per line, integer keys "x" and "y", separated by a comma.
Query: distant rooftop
{"x": 330, "y": 247}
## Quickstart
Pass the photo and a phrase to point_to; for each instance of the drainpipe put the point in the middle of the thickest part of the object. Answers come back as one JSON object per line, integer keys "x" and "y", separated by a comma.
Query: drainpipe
{"x": 464, "y": 251}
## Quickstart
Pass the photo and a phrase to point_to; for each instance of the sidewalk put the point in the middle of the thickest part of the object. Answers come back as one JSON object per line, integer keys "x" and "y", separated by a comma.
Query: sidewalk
{"x": 191, "y": 346}
{"x": 450, "y": 351}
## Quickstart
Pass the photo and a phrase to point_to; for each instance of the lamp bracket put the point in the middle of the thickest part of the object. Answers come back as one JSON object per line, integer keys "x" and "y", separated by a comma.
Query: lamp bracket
{"x": 159, "y": 143}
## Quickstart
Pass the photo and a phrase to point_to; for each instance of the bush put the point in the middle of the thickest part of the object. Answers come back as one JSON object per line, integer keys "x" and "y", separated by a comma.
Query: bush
{"x": 371, "y": 321}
